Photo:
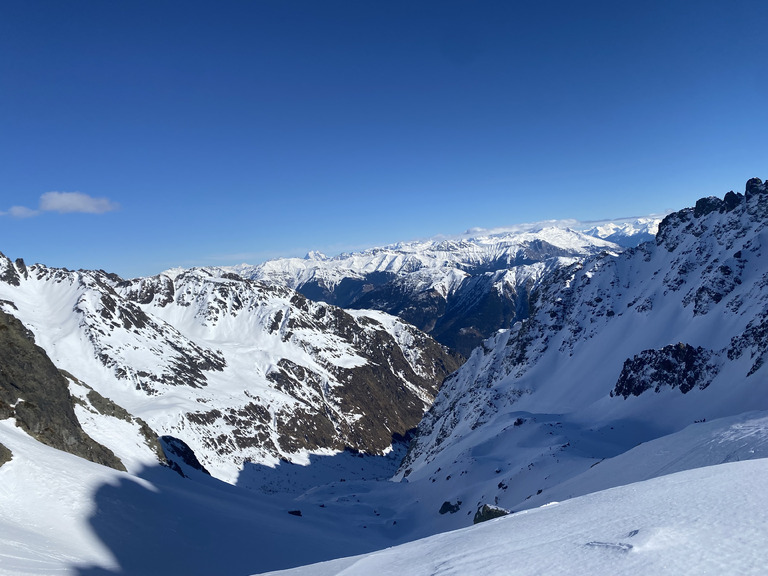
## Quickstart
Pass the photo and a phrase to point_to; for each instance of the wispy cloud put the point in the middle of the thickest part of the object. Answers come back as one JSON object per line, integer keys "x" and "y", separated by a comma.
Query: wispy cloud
{"x": 67, "y": 202}
{"x": 22, "y": 212}
{"x": 64, "y": 203}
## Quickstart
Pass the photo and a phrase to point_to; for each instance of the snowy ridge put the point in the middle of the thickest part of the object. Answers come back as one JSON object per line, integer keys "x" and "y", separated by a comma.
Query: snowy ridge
{"x": 436, "y": 256}
{"x": 458, "y": 290}
{"x": 627, "y": 233}
{"x": 238, "y": 370}
{"x": 619, "y": 349}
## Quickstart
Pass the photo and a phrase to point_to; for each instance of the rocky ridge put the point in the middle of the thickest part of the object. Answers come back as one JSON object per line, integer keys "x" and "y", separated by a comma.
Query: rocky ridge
{"x": 238, "y": 370}
{"x": 618, "y": 347}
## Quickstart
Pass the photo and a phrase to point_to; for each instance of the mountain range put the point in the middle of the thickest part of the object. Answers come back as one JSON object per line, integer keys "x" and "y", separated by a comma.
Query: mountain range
{"x": 458, "y": 290}
{"x": 246, "y": 419}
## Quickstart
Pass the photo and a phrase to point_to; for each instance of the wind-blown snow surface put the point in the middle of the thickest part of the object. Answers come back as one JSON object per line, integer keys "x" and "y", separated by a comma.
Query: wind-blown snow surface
{"x": 707, "y": 521}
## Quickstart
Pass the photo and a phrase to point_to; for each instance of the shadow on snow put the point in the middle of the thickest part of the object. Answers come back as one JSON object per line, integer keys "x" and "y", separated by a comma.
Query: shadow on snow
{"x": 161, "y": 523}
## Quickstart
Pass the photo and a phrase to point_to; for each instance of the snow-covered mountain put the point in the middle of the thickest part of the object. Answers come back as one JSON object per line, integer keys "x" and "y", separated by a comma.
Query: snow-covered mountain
{"x": 619, "y": 349}
{"x": 240, "y": 371}
{"x": 627, "y": 233}
{"x": 459, "y": 290}
{"x": 630, "y": 369}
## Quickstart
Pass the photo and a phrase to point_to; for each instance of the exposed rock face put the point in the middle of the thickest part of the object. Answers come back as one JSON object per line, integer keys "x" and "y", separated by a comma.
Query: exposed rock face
{"x": 5, "y": 455}
{"x": 676, "y": 366}
{"x": 487, "y": 512}
{"x": 450, "y": 507}
{"x": 34, "y": 393}
{"x": 179, "y": 455}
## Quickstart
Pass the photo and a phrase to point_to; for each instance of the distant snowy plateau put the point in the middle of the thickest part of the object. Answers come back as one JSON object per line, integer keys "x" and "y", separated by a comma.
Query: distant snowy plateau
{"x": 594, "y": 398}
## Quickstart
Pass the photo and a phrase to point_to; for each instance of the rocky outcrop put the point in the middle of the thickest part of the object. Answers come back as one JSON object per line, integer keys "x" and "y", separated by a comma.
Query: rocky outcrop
{"x": 34, "y": 392}
{"x": 676, "y": 366}
{"x": 5, "y": 455}
{"x": 488, "y": 512}
{"x": 180, "y": 456}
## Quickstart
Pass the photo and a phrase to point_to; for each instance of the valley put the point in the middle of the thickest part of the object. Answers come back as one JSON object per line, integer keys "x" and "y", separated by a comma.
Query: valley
{"x": 246, "y": 419}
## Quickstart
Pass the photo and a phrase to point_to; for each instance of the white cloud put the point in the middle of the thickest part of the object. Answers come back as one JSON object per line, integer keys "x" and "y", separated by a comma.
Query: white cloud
{"x": 67, "y": 202}
{"x": 22, "y": 212}
{"x": 64, "y": 203}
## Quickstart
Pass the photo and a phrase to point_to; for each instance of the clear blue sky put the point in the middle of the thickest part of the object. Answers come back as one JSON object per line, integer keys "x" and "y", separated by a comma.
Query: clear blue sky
{"x": 137, "y": 136}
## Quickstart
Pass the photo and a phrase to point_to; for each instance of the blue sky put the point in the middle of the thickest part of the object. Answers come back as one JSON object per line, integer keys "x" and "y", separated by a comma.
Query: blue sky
{"x": 138, "y": 136}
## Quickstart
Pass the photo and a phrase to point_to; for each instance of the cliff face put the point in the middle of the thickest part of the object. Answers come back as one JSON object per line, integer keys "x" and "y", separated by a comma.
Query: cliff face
{"x": 36, "y": 394}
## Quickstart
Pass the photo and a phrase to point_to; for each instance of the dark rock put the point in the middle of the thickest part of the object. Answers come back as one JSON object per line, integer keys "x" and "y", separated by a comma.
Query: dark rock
{"x": 706, "y": 205}
{"x": 177, "y": 452}
{"x": 43, "y": 406}
{"x": 677, "y": 366}
{"x": 754, "y": 186}
{"x": 731, "y": 201}
{"x": 294, "y": 512}
{"x": 5, "y": 455}
{"x": 487, "y": 512}
{"x": 8, "y": 273}
{"x": 450, "y": 507}
{"x": 21, "y": 267}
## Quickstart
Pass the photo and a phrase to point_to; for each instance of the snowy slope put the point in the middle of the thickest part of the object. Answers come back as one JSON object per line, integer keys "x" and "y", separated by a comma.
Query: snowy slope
{"x": 238, "y": 370}
{"x": 62, "y": 514}
{"x": 619, "y": 350}
{"x": 706, "y": 521}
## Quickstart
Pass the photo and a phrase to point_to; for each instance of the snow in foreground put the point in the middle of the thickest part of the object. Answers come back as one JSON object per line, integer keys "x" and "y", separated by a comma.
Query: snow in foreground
{"x": 64, "y": 515}
{"x": 711, "y": 520}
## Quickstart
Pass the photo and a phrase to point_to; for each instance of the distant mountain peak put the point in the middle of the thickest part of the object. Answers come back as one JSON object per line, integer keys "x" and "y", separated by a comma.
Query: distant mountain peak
{"x": 461, "y": 288}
